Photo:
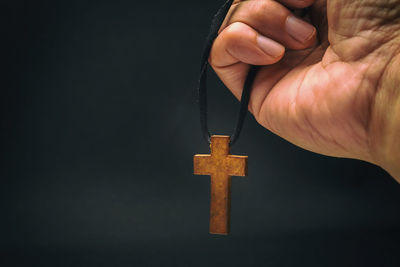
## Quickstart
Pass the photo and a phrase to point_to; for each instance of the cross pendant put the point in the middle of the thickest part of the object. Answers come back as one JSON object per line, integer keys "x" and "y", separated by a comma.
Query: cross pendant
{"x": 220, "y": 166}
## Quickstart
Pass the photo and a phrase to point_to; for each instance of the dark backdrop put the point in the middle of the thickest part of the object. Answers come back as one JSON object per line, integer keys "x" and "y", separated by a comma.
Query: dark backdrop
{"x": 98, "y": 128}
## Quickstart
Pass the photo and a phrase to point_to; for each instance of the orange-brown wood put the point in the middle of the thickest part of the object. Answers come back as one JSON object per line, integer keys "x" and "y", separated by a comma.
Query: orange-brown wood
{"x": 220, "y": 166}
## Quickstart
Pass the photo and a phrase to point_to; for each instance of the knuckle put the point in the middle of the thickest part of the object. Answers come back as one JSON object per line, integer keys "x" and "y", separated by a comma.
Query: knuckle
{"x": 235, "y": 33}
{"x": 230, "y": 35}
{"x": 261, "y": 8}
{"x": 234, "y": 30}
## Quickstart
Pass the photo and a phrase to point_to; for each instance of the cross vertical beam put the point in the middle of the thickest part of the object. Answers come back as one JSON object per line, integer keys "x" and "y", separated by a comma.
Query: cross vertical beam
{"x": 220, "y": 166}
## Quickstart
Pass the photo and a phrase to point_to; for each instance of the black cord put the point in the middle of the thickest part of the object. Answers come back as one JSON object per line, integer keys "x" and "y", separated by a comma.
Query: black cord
{"x": 202, "y": 89}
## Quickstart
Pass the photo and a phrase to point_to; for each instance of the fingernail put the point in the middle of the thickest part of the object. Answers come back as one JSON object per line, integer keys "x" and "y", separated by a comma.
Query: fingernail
{"x": 269, "y": 46}
{"x": 298, "y": 29}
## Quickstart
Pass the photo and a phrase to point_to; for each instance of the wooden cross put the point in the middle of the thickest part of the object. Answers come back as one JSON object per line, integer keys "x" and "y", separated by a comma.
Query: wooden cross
{"x": 221, "y": 166}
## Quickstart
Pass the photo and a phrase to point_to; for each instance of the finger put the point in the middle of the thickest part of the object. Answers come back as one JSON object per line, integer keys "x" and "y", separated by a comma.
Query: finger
{"x": 238, "y": 46}
{"x": 240, "y": 43}
{"x": 273, "y": 20}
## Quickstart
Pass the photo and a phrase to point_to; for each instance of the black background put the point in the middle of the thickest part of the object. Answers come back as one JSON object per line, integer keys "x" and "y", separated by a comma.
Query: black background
{"x": 98, "y": 128}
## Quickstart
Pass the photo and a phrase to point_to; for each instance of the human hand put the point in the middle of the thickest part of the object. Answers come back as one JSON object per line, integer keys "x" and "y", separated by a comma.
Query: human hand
{"x": 335, "y": 89}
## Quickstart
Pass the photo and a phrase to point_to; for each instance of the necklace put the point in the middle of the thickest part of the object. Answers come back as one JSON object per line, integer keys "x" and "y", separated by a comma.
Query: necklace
{"x": 220, "y": 165}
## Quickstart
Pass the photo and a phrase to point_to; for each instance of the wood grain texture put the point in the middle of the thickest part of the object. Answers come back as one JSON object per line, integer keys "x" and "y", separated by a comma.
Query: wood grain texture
{"x": 220, "y": 166}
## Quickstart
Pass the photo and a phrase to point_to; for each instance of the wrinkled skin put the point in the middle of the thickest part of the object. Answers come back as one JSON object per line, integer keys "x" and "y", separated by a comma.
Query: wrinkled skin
{"x": 336, "y": 93}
